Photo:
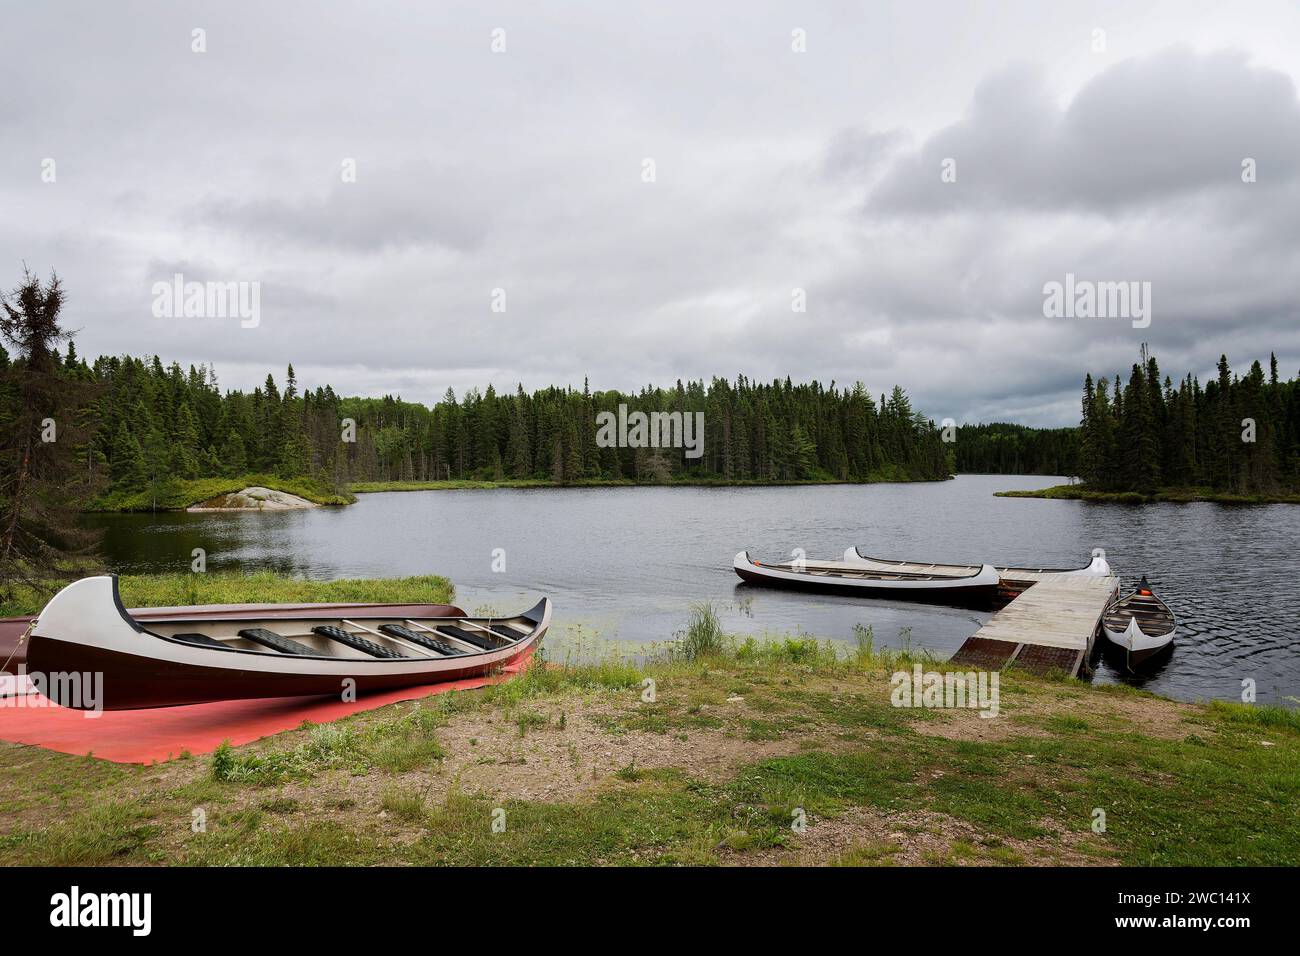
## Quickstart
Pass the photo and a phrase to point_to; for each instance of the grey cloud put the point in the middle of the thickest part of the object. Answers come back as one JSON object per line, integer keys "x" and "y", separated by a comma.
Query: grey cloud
{"x": 382, "y": 210}
{"x": 861, "y": 152}
{"x": 523, "y": 171}
{"x": 1142, "y": 132}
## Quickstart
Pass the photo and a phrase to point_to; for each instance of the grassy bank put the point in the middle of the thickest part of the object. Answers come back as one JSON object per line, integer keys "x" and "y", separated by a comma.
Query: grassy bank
{"x": 1178, "y": 495}
{"x": 370, "y": 487}
{"x": 716, "y": 762}
{"x": 459, "y": 484}
{"x": 166, "y": 590}
{"x": 177, "y": 494}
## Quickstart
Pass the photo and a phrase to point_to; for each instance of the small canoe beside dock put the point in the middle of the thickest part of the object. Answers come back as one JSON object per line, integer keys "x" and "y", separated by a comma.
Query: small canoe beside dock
{"x": 1050, "y": 625}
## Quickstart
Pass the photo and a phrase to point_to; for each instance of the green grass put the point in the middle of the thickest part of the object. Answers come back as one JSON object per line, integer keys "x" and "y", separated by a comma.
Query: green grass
{"x": 401, "y": 742}
{"x": 404, "y": 803}
{"x": 465, "y": 484}
{"x": 105, "y": 834}
{"x": 539, "y": 679}
{"x": 1260, "y": 715}
{"x": 1177, "y": 495}
{"x": 1218, "y": 790}
{"x": 470, "y": 484}
{"x": 260, "y": 587}
{"x": 178, "y": 494}
{"x": 1214, "y": 797}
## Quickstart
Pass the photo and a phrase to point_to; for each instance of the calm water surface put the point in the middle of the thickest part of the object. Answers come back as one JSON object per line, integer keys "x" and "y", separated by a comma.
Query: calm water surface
{"x": 625, "y": 563}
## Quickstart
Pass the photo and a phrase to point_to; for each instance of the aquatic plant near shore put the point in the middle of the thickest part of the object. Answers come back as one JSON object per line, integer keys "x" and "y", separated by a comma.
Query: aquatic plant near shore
{"x": 702, "y": 637}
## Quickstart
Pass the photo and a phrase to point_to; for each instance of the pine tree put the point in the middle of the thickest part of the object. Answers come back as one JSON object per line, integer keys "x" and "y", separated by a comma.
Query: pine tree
{"x": 41, "y": 484}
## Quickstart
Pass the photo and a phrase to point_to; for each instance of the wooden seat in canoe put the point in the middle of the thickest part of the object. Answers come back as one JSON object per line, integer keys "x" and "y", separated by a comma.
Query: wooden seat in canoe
{"x": 202, "y": 640}
{"x": 477, "y": 640}
{"x": 356, "y": 642}
{"x": 421, "y": 640}
{"x": 277, "y": 642}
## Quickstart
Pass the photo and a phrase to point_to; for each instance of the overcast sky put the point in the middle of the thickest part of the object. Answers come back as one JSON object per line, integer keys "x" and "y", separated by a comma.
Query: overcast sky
{"x": 775, "y": 170}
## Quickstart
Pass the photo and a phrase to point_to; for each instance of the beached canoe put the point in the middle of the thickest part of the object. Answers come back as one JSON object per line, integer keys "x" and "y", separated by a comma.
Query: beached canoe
{"x": 14, "y": 630}
{"x": 977, "y": 587}
{"x": 1140, "y": 624}
{"x": 85, "y": 631}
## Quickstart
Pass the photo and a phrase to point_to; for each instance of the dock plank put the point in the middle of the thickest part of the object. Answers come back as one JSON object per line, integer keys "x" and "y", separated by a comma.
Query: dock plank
{"x": 1056, "y": 618}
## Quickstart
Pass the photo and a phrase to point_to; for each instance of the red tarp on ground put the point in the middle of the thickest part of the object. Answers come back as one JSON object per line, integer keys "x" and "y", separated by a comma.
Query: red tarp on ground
{"x": 145, "y": 736}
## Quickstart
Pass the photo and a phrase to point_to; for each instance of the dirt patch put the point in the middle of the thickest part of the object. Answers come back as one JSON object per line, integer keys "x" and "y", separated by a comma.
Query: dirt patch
{"x": 1150, "y": 716}
{"x": 565, "y": 752}
{"x": 1020, "y": 717}
{"x": 866, "y": 836}
{"x": 969, "y": 725}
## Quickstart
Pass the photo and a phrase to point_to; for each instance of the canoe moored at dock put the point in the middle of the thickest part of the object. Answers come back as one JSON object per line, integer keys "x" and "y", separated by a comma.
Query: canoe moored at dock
{"x": 84, "y": 630}
{"x": 975, "y": 588}
{"x": 1097, "y": 566}
{"x": 1141, "y": 624}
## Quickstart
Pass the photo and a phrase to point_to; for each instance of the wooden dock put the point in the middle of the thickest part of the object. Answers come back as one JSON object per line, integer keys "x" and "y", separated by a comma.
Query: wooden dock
{"x": 1050, "y": 625}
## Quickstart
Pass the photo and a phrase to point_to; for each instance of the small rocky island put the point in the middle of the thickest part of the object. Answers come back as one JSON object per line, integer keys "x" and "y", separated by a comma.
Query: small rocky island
{"x": 255, "y": 499}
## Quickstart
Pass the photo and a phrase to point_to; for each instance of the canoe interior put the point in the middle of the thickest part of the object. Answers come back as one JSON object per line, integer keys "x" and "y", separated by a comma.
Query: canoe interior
{"x": 834, "y": 570}
{"x": 1152, "y": 615}
{"x": 963, "y": 569}
{"x": 351, "y": 638}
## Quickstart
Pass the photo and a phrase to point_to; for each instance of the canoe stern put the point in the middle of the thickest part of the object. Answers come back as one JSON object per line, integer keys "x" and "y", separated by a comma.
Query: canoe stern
{"x": 89, "y": 611}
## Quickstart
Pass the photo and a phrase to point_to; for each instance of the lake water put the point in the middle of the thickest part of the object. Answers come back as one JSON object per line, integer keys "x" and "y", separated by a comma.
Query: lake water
{"x": 626, "y": 563}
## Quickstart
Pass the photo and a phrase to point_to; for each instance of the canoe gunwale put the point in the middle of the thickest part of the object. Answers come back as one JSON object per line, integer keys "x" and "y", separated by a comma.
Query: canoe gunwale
{"x": 854, "y": 553}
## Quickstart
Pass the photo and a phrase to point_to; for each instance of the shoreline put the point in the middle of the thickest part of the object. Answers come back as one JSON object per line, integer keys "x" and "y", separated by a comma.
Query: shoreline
{"x": 184, "y": 495}
{"x": 471, "y": 484}
{"x": 1168, "y": 495}
{"x": 740, "y": 739}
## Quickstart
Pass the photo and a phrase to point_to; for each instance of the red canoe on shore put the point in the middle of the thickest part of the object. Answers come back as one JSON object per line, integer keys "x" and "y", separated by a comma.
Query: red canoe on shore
{"x": 86, "y": 651}
{"x": 13, "y": 628}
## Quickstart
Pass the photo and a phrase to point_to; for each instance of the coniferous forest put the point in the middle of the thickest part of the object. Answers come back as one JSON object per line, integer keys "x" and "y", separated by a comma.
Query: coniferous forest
{"x": 1234, "y": 434}
{"x": 146, "y": 422}
{"x": 128, "y": 426}
{"x": 1005, "y": 449}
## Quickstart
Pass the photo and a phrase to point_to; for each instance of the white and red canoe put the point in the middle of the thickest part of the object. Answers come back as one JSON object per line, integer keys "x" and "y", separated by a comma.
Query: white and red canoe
{"x": 14, "y": 630}
{"x": 85, "y": 630}
{"x": 1097, "y": 566}
{"x": 974, "y": 587}
{"x": 1140, "y": 624}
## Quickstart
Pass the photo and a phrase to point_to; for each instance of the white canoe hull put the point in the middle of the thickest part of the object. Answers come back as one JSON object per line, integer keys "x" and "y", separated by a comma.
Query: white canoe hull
{"x": 1097, "y": 566}
{"x": 976, "y": 588}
